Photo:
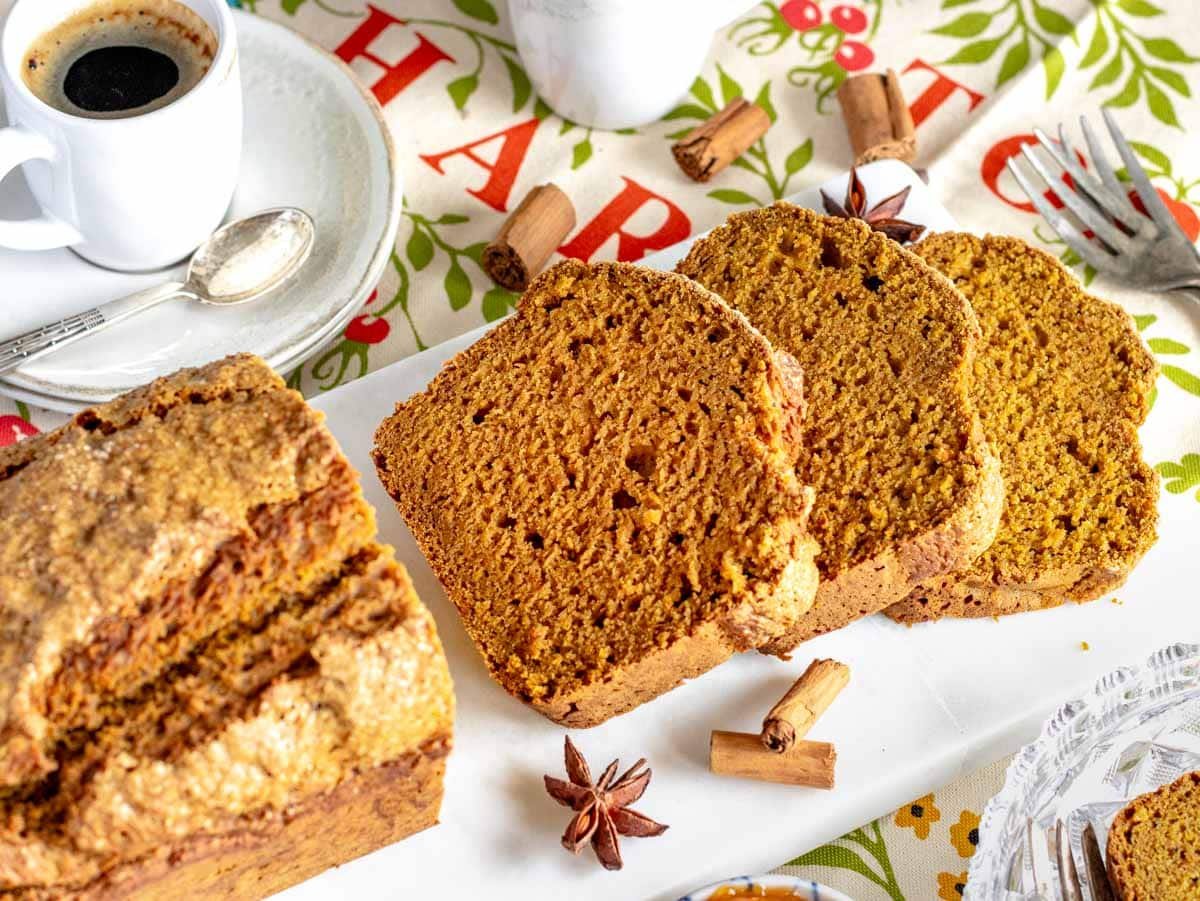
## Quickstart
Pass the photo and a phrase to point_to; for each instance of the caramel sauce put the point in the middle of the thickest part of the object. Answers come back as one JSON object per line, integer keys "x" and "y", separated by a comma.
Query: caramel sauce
{"x": 734, "y": 892}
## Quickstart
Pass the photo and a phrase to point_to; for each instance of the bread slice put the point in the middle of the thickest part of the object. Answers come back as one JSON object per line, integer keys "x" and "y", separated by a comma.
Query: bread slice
{"x": 605, "y": 487}
{"x": 200, "y": 641}
{"x": 1153, "y": 849}
{"x": 906, "y": 486}
{"x": 1062, "y": 382}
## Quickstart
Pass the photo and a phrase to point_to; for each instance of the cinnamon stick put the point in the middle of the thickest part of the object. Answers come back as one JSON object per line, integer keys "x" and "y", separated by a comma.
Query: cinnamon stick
{"x": 810, "y": 696}
{"x": 741, "y": 754}
{"x": 710, "y": 147}
{"x": 536, "y": 227}
{"x": 877, "y": 118}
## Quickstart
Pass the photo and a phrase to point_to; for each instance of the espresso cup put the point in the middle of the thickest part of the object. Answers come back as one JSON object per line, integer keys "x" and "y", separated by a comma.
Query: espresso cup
{"x": 134, "y": 193}
{"x": 616, "y": 63}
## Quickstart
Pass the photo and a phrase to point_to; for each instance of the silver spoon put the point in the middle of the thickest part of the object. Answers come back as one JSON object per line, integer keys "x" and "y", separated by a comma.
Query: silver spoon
{"x": 239, "y": 263}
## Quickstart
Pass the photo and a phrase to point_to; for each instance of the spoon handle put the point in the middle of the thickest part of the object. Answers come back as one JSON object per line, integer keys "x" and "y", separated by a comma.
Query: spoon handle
{"x": 28, "y": 347}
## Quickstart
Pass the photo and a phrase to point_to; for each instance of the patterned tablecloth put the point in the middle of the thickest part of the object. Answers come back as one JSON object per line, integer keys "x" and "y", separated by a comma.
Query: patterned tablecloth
{"x": 979, "y": 75}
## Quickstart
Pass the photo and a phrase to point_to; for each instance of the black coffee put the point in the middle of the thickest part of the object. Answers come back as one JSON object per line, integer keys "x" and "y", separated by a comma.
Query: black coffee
{"x": 120, "y": 58}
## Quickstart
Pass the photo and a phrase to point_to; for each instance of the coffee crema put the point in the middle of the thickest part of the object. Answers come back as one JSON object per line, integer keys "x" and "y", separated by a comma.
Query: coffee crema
{"x": 120, "y": 58}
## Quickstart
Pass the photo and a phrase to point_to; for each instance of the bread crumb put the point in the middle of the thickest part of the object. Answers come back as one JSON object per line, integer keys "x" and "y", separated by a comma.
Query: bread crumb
{"x": 1084, "y": 646}
{"x": 1117, "y": 601}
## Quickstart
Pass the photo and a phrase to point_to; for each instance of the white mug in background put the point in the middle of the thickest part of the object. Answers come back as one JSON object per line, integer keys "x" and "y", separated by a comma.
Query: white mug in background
{"x": 134, "y": 193}
{"x": 616, "y": 63}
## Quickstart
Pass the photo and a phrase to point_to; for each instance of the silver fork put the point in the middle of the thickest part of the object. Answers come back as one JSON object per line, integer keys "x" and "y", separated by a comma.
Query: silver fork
{"x": 1058, "y": 877}
{"x": 1147, "y": 251}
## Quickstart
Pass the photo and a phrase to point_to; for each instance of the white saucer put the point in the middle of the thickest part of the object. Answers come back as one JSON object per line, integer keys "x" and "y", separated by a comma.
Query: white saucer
{"x": 314, "y": 139}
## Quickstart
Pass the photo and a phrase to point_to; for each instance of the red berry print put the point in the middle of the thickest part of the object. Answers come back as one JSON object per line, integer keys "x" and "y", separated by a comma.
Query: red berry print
{"x": 367, "y": 329}
{"x": 853, "y": 56}
{"x": 801, "y": 14}
{"x": 848, "y": 19}
{"x": 13, "y": 429}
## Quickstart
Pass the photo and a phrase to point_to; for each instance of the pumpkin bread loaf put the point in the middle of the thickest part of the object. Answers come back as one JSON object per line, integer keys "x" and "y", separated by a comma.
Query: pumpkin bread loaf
{"x": 1062, "y": 382}
{"x": 213, "y": 682}
{"x": 1153, "y": 849}
{"x": 906, "y": 486}
{"x": 605, "y": 486}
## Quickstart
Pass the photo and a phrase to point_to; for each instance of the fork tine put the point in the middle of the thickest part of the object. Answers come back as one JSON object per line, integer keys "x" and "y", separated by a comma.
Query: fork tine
{"x": 1103, "y": 229}
{"x": 1121, "y": 192}
{"x": 1141, "y": 182}
{"x": 1064, "y": 154}
{"x": 1098, "y": 258}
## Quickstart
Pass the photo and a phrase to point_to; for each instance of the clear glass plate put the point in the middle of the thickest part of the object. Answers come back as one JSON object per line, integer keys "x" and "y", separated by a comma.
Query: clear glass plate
{"x": 1137, "y": 729}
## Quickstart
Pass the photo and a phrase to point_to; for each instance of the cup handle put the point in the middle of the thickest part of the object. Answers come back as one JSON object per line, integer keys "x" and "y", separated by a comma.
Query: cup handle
{"x": 19, "y": 145}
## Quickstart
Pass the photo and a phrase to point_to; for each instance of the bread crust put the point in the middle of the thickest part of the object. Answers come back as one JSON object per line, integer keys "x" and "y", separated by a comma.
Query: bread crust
{"x": 965, "y": 530}
{"x": 1161, "y": 863}
{"x": 780, "y": 598}
{"x": 977, "y": 591}
{"x": 278, "y": 849}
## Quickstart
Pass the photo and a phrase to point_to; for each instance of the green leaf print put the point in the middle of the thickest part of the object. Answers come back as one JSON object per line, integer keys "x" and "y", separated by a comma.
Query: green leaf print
{"x": 1182, "y": 475}
{"x": 1139, "y": 8}
{"x": 1184, "y": 379}
{"x": 730, "y": 89}
{"x": 1055, "y": 66}
{"x": 977, "y": 52}
{"x": 1167, "y": 346}
{"x": 799, "y": 158}
{"x": 837, "y": 855}
{"x": 1160, "y": 105}
{"x": 1108, "y": 74}
{"x": 419, "y": 250}
{"x": 1016, "y": 59}
{"x": 478, "y": 9}
{"x": 1135, "y": 60}
{"x": 966, "y": 26}
{"x": 1051, "y": 21}
{"x": 1166, "y": 49}
{"x": 1096, "y": 49}
{"x": 687, "y": 111}
{"x": 461, "y": 89}
{"x": 702, "y": 92}
{"x": 496, "y": 304}
{"x": 730, "y": 195}
{"x": 1145, "y": 321}
{"x": 951, "y": 4}
{"x": 521, "y": 87}
{"x": 582, "y": 152}
{"x": 458, "y": 286}
{"x": 291, "y": 6}
{"x": 1128, "y": 95}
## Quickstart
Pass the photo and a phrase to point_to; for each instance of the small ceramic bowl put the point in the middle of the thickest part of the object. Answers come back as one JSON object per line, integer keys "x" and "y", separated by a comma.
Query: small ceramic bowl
{"x": 803, "y": 888}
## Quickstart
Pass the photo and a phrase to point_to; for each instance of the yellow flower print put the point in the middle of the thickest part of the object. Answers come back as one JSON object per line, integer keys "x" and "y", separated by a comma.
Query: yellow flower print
{"x": 964, "y": 834}
{"x": 919, "y": 816}
{"x": 950, "y": 887}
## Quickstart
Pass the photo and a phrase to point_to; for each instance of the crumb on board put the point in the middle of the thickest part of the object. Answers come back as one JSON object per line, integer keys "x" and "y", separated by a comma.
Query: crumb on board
{"x": 1084, "y": 646}
{"x": 1116, "y": 601}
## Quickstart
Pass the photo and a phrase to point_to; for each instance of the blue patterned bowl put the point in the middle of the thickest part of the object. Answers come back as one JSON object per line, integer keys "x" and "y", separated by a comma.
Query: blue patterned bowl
{"x": 805, "y": 888}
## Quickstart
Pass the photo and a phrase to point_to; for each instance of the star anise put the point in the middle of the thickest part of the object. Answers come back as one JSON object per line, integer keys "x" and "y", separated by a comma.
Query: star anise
{"x": 601, "y": 808}
{"x": 881, "y": 217}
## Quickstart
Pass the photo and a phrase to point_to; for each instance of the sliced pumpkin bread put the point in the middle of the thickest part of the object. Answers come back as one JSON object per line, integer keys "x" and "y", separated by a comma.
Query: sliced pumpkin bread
{"x": 906, "y": 486}
{"x": 605, "y": 487}
{"x": 1153, "y": 849}
{"x": 1062, "y": 382}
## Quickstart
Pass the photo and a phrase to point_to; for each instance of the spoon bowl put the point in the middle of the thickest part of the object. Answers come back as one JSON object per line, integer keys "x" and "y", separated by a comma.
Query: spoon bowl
{"x": 240, "y": 262}
{"x": 248, "y": 258}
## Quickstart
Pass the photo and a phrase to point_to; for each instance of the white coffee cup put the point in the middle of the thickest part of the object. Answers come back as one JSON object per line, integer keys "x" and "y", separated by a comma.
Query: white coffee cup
{"x": 134, "y": 194}
{"x": 616, "y": 63}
